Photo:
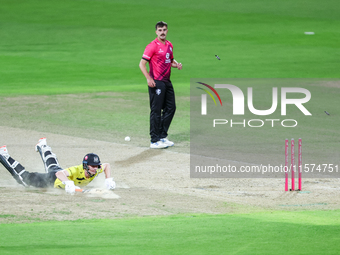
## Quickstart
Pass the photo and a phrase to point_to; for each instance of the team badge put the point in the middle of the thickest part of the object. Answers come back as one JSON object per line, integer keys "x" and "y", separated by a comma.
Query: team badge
{"x": 158, "y": 91}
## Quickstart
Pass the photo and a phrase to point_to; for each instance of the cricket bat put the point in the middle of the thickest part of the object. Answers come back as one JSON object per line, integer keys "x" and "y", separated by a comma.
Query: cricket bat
{"x": 90, "y": 191}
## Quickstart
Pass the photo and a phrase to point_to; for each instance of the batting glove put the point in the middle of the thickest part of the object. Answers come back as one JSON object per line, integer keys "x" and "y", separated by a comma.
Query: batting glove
{"x": 110, "y": 183}
{"x": 69, "y": 187}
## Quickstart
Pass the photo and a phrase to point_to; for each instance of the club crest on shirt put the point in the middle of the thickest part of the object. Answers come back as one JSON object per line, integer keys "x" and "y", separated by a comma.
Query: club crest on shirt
{"x": 158, "y": 91}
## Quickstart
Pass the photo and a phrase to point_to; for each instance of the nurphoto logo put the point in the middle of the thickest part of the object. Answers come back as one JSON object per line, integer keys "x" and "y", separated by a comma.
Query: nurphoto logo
{"x": 239, "y": 104}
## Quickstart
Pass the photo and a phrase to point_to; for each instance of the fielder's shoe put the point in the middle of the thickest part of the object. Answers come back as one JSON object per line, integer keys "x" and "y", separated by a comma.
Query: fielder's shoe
{"x": 4, "y": 151}
{"x": 158, "y": 145}
{"x": 167, "y": 142}
{"x": 41, "y": 143}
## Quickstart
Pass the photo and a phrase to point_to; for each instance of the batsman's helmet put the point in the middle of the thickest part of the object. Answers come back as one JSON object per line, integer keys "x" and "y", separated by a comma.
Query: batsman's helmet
{"x": 91, "y": 159}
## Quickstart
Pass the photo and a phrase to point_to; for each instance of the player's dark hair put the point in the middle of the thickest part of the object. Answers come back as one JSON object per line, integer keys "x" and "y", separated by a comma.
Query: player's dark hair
{"x": 161, "y": 24}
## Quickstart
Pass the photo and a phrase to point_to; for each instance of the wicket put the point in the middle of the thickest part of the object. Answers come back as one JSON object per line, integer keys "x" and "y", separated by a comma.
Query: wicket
{"x": 292, "y": 164}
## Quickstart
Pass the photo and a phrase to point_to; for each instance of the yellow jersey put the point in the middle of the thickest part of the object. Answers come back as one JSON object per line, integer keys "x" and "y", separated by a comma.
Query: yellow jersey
{"x": 77, "y": 175}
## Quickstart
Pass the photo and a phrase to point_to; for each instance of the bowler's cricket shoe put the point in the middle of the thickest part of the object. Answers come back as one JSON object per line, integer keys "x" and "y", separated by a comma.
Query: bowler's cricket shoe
{"x": 158, "y": 145}
{"x": 41, "y": 143}
{"x": 14, "y": 167}
{"x": 167, "y": 142}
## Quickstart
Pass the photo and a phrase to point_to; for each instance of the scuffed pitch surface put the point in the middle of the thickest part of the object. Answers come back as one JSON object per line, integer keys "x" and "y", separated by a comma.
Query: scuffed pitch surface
{"x": 149, "y": 182}
{"x": 103, "y": 193}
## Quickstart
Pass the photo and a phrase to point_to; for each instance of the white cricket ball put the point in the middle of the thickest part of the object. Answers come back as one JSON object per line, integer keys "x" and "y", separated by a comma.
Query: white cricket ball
{"x": 128, "y": 139}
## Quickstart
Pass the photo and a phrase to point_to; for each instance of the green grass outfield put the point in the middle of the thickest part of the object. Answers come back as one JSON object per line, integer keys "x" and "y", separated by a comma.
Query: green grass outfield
{"x": 307, "y": 232}
{"x": 85, "y": 46}
{"x": 72, "y": 46}
{"x": 79, "y": 47}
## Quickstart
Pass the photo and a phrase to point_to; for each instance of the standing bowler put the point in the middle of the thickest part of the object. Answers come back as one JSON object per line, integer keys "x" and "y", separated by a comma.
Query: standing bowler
{"x": 159, "y": 54}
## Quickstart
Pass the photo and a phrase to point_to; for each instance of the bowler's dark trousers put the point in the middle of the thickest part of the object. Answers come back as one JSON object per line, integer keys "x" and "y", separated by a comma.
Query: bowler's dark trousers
{"x": 162, "y": 109}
